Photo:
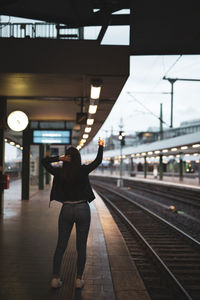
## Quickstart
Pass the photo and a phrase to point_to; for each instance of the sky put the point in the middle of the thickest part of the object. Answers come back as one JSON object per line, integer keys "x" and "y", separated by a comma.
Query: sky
{"x": 138, "y": 104}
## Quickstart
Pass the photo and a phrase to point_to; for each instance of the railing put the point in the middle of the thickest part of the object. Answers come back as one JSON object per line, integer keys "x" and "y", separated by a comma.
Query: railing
{"x": 39, "y": 30}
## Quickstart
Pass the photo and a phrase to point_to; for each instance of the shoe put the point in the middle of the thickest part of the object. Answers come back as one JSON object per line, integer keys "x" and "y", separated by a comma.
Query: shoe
{"x": 79, "y": 284}
{"x": 56, "y": 283}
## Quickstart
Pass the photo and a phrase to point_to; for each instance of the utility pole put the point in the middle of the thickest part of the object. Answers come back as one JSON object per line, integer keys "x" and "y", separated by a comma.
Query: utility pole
{"x": 122, "y": 143}
{"x": 161, "y": 122}
{"x": 172, "y": 81}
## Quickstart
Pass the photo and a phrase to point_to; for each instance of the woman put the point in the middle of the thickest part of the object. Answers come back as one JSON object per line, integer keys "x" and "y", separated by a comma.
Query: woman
{"x": 72, "y": 188}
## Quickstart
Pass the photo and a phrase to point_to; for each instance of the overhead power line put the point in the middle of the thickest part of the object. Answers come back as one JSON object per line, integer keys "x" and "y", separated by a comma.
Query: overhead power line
{"x": 138, "y": 101}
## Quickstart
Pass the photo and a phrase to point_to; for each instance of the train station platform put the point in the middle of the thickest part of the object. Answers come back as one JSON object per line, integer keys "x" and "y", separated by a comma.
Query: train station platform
{"x": 188, "y": 183}
{"x": 28, "y": 236}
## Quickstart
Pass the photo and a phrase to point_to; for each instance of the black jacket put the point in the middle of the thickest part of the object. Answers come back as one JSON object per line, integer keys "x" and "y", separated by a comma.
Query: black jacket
{"x": 81, "y": 188}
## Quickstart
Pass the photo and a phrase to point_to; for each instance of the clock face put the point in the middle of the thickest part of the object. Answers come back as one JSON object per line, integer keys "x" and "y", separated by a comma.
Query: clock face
{"x": 17, "y": 120}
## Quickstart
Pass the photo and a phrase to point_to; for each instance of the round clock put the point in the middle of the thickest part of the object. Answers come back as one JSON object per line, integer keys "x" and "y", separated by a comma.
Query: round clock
{"x": 17, "y": 120}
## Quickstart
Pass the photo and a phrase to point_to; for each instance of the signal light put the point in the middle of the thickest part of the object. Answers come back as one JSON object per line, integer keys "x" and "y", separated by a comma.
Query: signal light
{"x": 122, "y": 137}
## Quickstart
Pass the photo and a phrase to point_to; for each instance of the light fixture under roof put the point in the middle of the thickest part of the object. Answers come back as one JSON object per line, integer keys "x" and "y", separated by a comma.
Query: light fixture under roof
{"x": 90, "y": 122}
{"x": 184, "y": 147}
{"x": 88, "y": 129}
{"x": 85, "y": 135}
{"x": 196, "y": 146}
{"x": 92, "y": 109}
{"x": 95, "y": 89}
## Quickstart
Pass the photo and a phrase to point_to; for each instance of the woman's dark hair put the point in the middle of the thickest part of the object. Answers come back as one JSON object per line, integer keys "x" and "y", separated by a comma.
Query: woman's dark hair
{"x": 70, "y": 169}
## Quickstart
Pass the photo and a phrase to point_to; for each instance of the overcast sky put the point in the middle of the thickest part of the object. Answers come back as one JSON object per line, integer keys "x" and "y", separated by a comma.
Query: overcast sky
{"x": 144, "y": 90}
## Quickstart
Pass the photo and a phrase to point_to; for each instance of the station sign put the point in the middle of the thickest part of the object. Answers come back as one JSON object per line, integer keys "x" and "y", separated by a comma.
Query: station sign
{"x": 58, "y": 137}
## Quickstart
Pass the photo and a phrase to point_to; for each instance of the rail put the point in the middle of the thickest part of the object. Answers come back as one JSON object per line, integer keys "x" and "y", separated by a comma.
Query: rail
{"x": 156, "y": 237}
{"x": 39, "y": 30}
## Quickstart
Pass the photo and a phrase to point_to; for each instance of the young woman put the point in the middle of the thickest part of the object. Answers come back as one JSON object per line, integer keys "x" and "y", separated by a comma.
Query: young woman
{"x": 72, "y": 188}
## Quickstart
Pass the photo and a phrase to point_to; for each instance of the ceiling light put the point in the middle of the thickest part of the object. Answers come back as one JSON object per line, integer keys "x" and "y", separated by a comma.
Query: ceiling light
{"x": 85, "y": 136}
{"x": 83, "y": 141}
{"x": 164, "y": 150}
{"x": 95, "y": 89}
{"x": 90, "y": 121}
{"x": 88, "y": 129}
{"x": 174, "y": 149}
{"x": 92, "y": 109}
{"x": 196, "y": 145}
{"x": 12, "y": 143}
{"x": 184, "y": 147}
{"x": 18, "y": 146}
{"x": 157, "y": 151}
{"x": 150, "y": 152}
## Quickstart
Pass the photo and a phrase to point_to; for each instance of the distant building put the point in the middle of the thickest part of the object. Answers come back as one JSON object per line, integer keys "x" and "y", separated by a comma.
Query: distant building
{"x": 186, "y": 127}
{"x": 143, "y": 137}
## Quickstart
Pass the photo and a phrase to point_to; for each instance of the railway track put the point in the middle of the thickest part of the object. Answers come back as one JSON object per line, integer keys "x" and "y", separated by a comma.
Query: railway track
{"x": 186, "y": 196}
{"x": 172, "y": 253}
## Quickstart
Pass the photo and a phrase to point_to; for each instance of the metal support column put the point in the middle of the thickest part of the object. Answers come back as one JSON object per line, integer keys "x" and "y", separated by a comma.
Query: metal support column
{"x": 26, "y": 163}
{"x": 161, "y": 168}
{"x": 199, "y": 172}
{"x": 181, "y": 169}
{"x": 145, "y": 167}
{"x": 41, "y": 169}
{"x": 47, "y": 173}
{"x": 3, "y": 106}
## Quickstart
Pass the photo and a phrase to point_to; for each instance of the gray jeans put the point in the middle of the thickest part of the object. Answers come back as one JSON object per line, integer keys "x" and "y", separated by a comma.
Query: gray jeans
{"x": 70, "y": 214}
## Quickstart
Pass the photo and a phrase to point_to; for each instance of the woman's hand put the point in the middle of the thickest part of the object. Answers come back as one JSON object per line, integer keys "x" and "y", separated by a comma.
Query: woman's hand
{"x": 101, "y": 142}
{"x": 65, "y": 158}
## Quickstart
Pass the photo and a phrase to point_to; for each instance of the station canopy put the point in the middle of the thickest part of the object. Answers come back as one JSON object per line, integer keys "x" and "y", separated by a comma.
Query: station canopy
{"x": 50, "y": 79}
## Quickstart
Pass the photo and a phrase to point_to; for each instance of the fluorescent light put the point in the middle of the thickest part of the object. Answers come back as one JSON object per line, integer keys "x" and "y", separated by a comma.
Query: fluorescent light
{"x": 157, "y": 151}
{"x": 150, "y": 152}
{"x": 88, "y": 129}
{"x": 85, "y": 136}
{"x": 90, "y": 121}
{"x": 95, "y": 89}
{"x": 132, "y": 155}
{"x": 164, "y": 150}
{"x": 187, "y": 154}
{"x": 174, "y": 149}
{"x": 143, "y": 153}
{"x": 138, "y": 154}
{"x": 18, "y": 146}
{"x": 196, "y": 154}
{"x": 92, "y": 109}
{"x": 184, "y": 147}
{"x": 12, "y": 143}
{"x": 83, "y": 141}
{"x": 196, "y": 145}
{"x": 95, "y": 92}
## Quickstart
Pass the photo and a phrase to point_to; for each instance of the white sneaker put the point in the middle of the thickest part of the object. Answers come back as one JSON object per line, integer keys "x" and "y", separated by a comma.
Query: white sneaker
{"x": 56, "y": 283}
{"x": 79, "y": 284}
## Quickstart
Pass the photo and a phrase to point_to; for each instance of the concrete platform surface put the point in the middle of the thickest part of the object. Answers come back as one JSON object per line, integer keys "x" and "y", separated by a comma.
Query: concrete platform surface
{"x": 28, "y": 236}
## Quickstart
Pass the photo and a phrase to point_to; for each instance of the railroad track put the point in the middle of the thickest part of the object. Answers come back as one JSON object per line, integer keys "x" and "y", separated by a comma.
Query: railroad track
{"x": 177, "y": 194}
{"x": 173, "y": 253}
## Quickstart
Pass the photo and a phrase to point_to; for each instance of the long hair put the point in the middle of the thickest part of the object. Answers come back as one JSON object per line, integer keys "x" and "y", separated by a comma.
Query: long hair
{"x": 70, "y": 169}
